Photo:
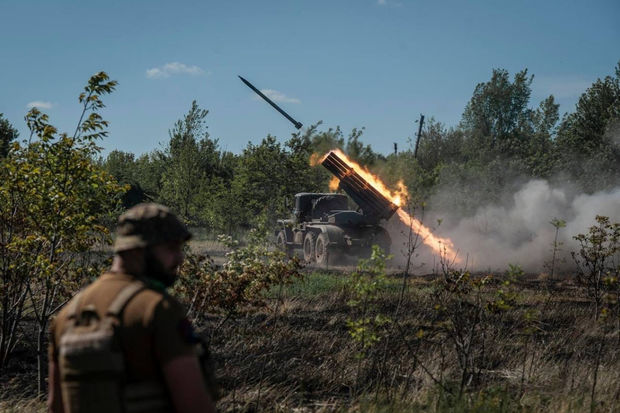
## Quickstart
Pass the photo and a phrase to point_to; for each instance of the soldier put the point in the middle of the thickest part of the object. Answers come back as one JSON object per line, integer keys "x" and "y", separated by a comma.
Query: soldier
{"x": 123, "y": 344}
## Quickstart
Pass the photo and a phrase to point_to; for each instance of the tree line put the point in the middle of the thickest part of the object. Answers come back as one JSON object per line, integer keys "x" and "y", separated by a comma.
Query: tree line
{"x": 500, "y": 142}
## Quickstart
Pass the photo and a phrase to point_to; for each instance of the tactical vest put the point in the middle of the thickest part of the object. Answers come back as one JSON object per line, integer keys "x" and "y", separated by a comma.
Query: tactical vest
{"x": 92, "y": 364}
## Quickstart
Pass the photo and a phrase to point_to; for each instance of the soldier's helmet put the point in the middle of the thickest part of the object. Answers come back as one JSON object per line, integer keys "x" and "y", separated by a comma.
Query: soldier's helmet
{"x": 148, "y": 224}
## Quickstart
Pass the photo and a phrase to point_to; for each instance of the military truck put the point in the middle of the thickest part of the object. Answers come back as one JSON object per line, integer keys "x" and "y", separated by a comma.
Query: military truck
{"x": 322, "y": 225}
{"x": 326, "y": 229}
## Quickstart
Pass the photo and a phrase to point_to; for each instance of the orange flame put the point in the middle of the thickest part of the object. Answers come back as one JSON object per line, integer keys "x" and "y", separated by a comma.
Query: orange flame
{"x": 316, "y": 159}
{"x": 398, "y": 197}
{"x": 333, "y": 184}
{"x": 442, "y": 246}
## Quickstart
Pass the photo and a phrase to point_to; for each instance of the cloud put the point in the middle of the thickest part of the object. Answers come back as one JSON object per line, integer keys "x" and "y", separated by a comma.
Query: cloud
{"x": 174, "y": 68}
{"x": 39, "y": 104}
{"x": 390, "y": 3}
{"x": 279, "y": 96}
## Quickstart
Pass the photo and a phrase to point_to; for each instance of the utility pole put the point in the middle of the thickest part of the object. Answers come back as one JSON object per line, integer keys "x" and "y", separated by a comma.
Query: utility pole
{"x": 417, "y": 141}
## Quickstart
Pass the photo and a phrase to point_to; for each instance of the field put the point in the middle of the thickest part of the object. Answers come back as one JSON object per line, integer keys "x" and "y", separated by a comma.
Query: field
{"x": 542, "y": 351}
{"x": 303, "y": 356}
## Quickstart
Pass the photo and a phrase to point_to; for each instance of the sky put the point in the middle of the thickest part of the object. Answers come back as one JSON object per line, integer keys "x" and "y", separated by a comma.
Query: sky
{"x": 376, "y": 64}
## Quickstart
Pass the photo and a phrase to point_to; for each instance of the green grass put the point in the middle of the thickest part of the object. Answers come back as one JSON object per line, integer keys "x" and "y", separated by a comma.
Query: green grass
{"x": 317, "y": 283}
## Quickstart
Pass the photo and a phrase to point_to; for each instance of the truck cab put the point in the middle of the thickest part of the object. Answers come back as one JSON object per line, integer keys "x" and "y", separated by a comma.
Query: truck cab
{"x": 325, "y": 229}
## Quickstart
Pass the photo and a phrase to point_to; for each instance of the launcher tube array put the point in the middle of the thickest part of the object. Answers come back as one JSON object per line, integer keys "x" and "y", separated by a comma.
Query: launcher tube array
{"x": 374, "y": 205}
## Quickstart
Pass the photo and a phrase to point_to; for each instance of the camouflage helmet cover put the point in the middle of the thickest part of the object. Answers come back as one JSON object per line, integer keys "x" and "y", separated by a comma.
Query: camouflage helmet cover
{"x": 148, "y": 224}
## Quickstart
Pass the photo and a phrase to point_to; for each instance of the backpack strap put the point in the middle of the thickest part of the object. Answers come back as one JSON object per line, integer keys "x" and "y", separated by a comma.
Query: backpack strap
{"x": 72, "y": 309}
{"x": 123, "y": 297}
{"x": 74, "y": 304}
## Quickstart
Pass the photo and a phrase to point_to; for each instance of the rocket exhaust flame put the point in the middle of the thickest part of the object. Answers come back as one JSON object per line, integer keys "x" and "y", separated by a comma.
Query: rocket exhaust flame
{"x": 384, "y": 202}
{"x": 442, "y": 246}
{"x": 333, "y": 184}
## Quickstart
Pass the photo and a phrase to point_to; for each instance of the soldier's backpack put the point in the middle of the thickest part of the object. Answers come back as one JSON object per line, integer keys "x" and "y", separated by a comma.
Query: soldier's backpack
{"x": 91, "y": 361}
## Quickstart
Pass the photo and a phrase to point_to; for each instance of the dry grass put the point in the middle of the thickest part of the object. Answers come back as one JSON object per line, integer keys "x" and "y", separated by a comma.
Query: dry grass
{"x": 303, "y": 359}
{"x": 22, "y": 405}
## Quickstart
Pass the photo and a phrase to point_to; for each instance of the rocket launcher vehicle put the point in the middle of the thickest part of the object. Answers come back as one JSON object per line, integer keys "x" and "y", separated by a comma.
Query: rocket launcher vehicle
{"x": 374, "y": 205}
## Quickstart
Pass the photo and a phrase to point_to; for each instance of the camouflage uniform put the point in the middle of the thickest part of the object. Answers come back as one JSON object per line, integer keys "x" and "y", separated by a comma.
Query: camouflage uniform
{"x": 153, "y": 328}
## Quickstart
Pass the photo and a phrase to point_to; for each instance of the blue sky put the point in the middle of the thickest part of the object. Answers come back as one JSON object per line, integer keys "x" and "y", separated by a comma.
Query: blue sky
{"x": 376, "y": 64}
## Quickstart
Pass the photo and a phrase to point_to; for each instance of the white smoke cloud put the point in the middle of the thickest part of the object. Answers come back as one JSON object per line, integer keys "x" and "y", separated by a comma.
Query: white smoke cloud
{"x": 173, "y": 68}
{"x": 520, "y": 232}
{"x": 613, "y": 132}
{"x": 39, "y": 104}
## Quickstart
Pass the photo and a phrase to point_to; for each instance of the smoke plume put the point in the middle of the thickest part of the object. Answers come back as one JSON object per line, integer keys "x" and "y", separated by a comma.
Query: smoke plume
{"x": 517, "y": 232}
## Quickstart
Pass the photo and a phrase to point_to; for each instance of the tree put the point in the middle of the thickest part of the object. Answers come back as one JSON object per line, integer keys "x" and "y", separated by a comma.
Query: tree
{"x": 150, "y": 168}
{"x": 500, "y": 141}
{"x": 258, "y": 181}
{"x": 497, "y": 116}
{"x": 192, "y": 164}
{"x": 54, "y": 199}
{"x": 302, "y": 176}
{"x": 357, "y": 151}
{"x": 587, "y": 146}
{"x": 539, "y": 156}
{"x": 122, "y": 166}
{"x": 596, "y": 263}
{"x": 268, "y": 174}
{"x": 324, "y": 141}
{"x": 7, "y": 135}
{"x": 221, "y": 210}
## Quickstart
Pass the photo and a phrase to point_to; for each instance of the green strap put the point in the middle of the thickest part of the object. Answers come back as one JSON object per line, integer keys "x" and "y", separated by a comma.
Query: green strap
{"x": 156, "y": 285}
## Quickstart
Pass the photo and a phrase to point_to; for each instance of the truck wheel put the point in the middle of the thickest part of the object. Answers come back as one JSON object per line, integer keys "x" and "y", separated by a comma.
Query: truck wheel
{"x": 281, "y": 244}
{"x": 309, "y": 247}
{"x": 321, "y": 249}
